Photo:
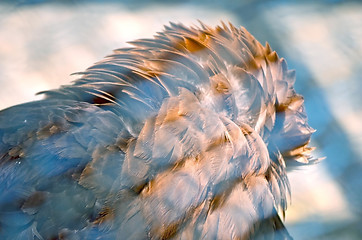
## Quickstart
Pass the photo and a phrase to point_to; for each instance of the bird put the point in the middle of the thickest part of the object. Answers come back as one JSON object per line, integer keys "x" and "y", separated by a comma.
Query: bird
{"x": 186, "y": 135}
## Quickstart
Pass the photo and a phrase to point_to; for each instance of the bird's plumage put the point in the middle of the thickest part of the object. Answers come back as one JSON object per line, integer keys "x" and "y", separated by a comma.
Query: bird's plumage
{"x": 182, "y": 136}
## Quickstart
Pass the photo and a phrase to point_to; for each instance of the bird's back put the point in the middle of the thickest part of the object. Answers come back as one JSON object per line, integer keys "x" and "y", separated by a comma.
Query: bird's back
{"x": 181, "y": 136}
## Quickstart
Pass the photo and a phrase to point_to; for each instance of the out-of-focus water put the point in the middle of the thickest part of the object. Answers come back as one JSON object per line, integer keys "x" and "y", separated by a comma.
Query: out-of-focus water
{"x": 41, "y": 43}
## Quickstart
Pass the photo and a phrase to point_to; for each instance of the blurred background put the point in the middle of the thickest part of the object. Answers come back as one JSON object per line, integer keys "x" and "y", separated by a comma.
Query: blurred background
{"x": 43, "y": 42}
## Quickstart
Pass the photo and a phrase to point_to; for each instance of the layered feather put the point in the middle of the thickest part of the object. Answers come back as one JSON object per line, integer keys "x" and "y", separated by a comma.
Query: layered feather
{"x": 181, "y": 136}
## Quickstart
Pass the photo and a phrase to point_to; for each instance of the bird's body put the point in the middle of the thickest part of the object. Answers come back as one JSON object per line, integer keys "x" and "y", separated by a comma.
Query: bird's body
{"x": 182, "y": 136}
